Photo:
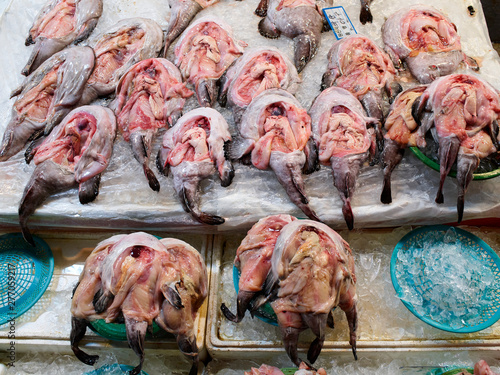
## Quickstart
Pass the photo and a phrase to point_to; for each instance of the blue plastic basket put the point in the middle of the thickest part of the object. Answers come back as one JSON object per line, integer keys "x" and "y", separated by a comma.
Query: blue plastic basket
{"x": 25, "y": 274}
{"x": 476, "y": 247}
{"x": 265, "y": 312}
{"x": 107, "y": 369}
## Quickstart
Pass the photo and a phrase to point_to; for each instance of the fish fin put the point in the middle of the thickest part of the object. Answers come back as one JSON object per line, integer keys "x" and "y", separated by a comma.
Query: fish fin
{"x": 29, "y": 41}
{"x": 466, "y": 165}
{"x": 227, "y": 174}
{"x": 36, "y": 138}
{"x": 261, "y": 9}
{"x": 206, "y": 92}
{"x": 392, "y": 156}
{"x": 471, "y": 63}
{"x": 306, "y": 46}
{"x": 327, "y": 79}
{"x": 347, "y": 212}
{"x": 153, "y": 182}
{"x": 161, "y": 163}
{"x": 88, "y": 190}
{"x": 173, "y": 297}
{"x": 312, "y": 164}
{"x": 268, "y": 30}
{"x": 87, "y": 28}
{"x": 28, "y": 68}
{"x": 187, "y": 346}
{"x": 78, "y": 328}
{"x": 290, "y": 341}
{"x": 227, "y": 313}
{"x": 102, "y": 300}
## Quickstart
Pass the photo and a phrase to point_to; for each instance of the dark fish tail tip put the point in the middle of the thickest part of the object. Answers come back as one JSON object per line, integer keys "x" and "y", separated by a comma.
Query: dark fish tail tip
{"x": 152, "y": 180}
{"x": 211, "y": 219}
{"x": 460, "y": 208}
{"x": 386, "y": 196}
{"x": 439, "y": 197}
{"x": 354, "y": 352}
{"x": 228, "y": 314}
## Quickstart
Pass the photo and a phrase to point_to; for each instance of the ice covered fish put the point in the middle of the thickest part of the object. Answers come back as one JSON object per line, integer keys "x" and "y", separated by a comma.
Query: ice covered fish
{"x": 299, "y": 20}
{"x": 464, "y": 109}
{"x": 203, "y": 53}
{"x": 253, "y": 260}
{"x": 401, "y": 131}
{"x": 74, "y": 154}
{"x": 259, "y": 69}
{"x": 192, "y": 150}
{"x": 45, "y": 97}
{"x": 60, "y": 23}
{"x": 426, "y": 40}
{"x": 149, "y": 97}
{"x": 141, "y": 279}
{"x": 181, "y": 14}
{"x": 275, "y": 131}
{"x": 124, "y": 44}
{"x": 358, "y": 65}
{"x": 314, "y": 270}
{"x": 345, "y": 138}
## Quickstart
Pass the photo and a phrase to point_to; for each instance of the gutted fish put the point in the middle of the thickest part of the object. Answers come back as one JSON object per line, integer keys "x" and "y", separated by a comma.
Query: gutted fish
{"x": 345, "y": 138}
{"x": 464, "y": 109}
{"x": 253, "y": 260}
{"x": 149, "y": 97}
{"x": 45, "y": 97}
{"x": 189, "y": 281}
{"x": 257, "y": 70}
{"x": 314, "y": 270}
{"x": 192, "y": 150}
{"x": 203, "y": 53}
{"x": 401, "y": 131}
{"x": 60, "y": 23}
{"x": 299, "y": 20}
{"x": 426, "y": 40}
{"x": 142, "y": 279}
{"x": 358, "y": 65}
{"x": 181, "y": 14}
{"x": 124, "y": 44}
{"x": 365, "y": 15}
{"x": 74, "y": 154}
{"x": 275, "y": 130}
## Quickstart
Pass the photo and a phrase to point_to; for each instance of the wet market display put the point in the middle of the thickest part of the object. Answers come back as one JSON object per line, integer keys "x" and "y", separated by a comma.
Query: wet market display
{"x": 225, "y": 188}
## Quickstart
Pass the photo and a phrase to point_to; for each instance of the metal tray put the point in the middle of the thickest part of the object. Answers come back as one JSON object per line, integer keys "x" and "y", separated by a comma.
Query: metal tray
{"x": 385, "y": 325}
{"x": 47, "y": 324}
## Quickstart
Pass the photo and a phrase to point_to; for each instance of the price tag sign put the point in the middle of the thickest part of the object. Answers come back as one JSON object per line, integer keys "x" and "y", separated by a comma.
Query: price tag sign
{"x": 339, "y": 22}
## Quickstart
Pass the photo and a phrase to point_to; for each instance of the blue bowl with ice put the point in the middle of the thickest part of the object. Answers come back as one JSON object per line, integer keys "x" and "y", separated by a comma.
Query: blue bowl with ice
{"x": 447, "y": 277}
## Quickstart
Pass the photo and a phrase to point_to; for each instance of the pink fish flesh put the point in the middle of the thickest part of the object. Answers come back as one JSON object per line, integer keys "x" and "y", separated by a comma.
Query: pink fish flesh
{"x": 59, "y": 24}
{"x": 150, "y": 96}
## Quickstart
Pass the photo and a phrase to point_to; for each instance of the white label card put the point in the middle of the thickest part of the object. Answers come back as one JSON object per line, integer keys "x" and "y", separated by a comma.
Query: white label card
{"x": 339, "y": 22}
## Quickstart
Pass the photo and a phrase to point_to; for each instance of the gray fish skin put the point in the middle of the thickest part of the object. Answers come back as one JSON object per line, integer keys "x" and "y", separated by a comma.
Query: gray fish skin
{"x": 181, "y": 14}
{"x": 48, "y": 38}
{"x": 47, "y": 179}
{"x": 74, "y": 66}
{"x": 55, "y": 173}
{"x": 303, "y": 24}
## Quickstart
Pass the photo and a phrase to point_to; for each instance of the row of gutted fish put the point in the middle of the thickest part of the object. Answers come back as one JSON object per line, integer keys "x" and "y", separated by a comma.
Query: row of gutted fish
{"x": 275, "y": 132}
{"x": 304, "y": 269}
{"x": 138, "y": 279}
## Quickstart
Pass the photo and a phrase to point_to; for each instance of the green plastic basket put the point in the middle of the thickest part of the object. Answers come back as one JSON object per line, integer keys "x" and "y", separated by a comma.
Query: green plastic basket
{"x": 108, "y": 369}
{"x": 25, "y": 274}
{"x": 117, "y": 331}
{"x": 420, "y": 284}
{"x": 489, "y": 167}
{"x": 449, "y": 370}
